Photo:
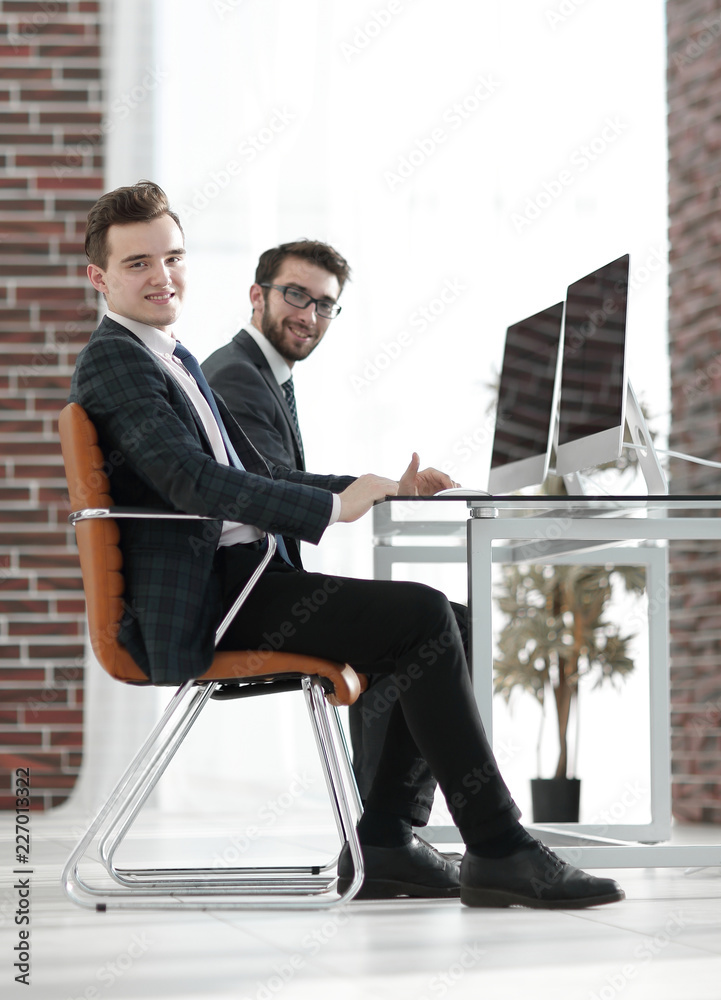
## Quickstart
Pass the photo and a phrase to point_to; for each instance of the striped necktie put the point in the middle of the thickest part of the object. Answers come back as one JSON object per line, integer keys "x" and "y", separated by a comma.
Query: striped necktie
{"x": 190, "y": 363}
{"x": 289, "y": 393}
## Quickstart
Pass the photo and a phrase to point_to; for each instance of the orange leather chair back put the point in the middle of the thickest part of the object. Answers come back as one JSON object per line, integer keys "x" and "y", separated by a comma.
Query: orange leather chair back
{"x": 101, "y": 560}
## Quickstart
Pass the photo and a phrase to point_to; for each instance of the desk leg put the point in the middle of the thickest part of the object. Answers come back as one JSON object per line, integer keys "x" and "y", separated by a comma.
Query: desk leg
{"x": 660, "y": 687}
{"x": 480, "y": 600}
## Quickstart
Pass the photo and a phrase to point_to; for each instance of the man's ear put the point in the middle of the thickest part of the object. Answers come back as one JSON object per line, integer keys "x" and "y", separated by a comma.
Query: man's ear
{"x": 257, "y": 298}
{"x": 96, "y": 276}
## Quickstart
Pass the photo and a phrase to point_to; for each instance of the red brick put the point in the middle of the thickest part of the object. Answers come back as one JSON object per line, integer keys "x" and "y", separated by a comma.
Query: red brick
{"x": 66, "y": 739}
{"x": 41, "y": 228}
{"x": 31, "y": 515}
{"x": 36, "y": 26}
{"x": 14, "y": 583}
{"x": 68, "y": 675}
{"x": 24, "y": 674}
{"x": 14, "y": 494}
{"x": 81, "y": 73}
{"x": 57, "y": 628}
{"x": 59, "y": 716}
{"x": 38, "y": 94}
{"x": 24, "y": 137}
{"x": 71, "y": 607}
{"x": 26, "y": 695}
{"x": 55, "y": 779}
{"x": 80, "y": 205}
{"x": 26, "y": 73}
{"x": 36, "y": 7}
{"x": 65, "y": 560}
{"x": 20, "y": 427}
{"x": 23, "y": 608}
{"x": 57, "y": 651}
{"x": 60, "y": 582}
{"x": 20, "y": 739}
{"x": 47, "y": 539}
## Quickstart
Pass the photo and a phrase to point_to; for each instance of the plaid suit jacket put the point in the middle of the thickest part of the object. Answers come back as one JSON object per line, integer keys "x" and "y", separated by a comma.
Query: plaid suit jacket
{"x": 157, "y": 455}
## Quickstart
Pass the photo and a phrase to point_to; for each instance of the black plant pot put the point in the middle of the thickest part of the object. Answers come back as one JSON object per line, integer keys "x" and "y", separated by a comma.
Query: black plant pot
{"x": 555, "y": 800}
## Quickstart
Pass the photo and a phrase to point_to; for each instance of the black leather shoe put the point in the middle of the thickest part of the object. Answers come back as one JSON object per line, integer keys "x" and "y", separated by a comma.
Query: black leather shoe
{"x": 535, "y": 877}
{"x": 448, "y": 855}
{"x": 416, "y": 869}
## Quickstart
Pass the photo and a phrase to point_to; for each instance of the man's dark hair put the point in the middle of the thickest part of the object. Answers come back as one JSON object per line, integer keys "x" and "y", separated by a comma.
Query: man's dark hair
{"x": 141, "y": 202}
{"x": 315, "y": 252}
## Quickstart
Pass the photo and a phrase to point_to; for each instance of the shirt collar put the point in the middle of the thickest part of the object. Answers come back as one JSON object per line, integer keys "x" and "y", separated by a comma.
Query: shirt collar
{"x": 278, "y": 365}
{"x": 159, "y": 341}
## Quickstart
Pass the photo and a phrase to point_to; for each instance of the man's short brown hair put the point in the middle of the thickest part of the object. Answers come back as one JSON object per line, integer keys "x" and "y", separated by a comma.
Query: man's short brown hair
{"x": 141, "y": 202}
{"x": 315, "y": 252}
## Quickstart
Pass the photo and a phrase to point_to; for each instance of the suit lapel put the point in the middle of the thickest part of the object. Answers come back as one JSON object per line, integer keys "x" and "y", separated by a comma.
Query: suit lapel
{"x": 259, "y": 360}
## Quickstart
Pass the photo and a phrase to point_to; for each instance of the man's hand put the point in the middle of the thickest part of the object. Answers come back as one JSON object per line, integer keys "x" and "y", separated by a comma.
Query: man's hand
{"x": 423, "y": 484}
{"x": 359, "y": 497}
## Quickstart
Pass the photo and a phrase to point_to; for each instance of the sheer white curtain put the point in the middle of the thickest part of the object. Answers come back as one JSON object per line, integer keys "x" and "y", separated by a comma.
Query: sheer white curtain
{"x": 469, "y": 158}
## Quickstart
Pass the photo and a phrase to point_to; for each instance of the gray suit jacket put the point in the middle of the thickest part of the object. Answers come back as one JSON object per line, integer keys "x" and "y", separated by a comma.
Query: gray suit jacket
{"x": 240, "y": 373}
{"x": 157, "y": 455}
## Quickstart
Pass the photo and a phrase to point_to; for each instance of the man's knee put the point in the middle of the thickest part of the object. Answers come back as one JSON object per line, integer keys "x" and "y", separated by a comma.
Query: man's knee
{"x": 428, "y": 604}
{"x": 435, "y": 621}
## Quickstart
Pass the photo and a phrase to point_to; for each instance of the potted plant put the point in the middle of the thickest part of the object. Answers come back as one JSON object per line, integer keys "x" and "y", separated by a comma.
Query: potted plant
{"x": 557, "y": 631}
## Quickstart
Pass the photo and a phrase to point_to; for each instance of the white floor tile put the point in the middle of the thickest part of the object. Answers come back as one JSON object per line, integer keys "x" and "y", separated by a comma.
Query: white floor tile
{"x": 662, "y": 943}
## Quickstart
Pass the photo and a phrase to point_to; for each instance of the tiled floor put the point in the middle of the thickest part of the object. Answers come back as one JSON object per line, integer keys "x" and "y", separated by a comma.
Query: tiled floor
{"x": 662, "y": 943}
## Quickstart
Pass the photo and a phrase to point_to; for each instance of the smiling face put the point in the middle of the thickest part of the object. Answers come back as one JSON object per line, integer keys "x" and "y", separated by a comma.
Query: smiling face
{"x": 294, "y": 332}
{"x": 144, "y": 279}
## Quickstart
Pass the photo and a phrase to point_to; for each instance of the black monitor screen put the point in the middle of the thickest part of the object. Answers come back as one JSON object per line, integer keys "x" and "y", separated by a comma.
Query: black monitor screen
{"x": 592, "y": 383}
{"x": 526, "y": 387}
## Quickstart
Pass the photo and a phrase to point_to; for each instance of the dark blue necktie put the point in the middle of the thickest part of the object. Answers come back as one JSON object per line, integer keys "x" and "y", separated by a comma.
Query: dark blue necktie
{"x": 190, "y": 363}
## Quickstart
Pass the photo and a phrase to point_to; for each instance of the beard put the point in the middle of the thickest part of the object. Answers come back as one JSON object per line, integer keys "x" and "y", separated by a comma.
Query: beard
{"x": 283, "y": 341}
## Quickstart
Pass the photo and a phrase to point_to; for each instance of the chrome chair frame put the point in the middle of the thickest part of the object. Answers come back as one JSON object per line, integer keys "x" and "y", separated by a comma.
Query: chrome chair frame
{"x": 283, "y": 887}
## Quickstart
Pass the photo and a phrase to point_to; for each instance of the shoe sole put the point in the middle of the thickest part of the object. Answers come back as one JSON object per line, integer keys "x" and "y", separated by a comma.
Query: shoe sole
{"x": 498, "y": 898}
{"x": 386, "y": 889}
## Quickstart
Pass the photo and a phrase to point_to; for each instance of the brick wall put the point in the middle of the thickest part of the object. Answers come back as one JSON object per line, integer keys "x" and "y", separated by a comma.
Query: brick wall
{"x": 52, "y": 171}
{"x": 694, "y": 123}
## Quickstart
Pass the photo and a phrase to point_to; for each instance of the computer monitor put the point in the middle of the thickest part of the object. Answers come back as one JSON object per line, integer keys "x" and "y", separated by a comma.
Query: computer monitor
{"x": 593, "y": 377}
{"x": 527, "y": 394}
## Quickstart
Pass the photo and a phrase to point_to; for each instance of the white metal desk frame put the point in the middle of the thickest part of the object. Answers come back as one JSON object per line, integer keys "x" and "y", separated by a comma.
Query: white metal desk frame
{"x": 533, "y": 521}
{"x": 549, "y": 548}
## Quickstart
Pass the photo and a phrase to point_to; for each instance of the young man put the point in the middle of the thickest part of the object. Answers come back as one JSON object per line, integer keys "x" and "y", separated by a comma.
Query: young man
{"x": 294, "y": 299}
{"x": 172, "y": 447}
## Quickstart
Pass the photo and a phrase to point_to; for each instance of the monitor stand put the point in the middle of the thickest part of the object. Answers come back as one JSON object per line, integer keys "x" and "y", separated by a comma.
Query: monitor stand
{"x": 655, "y": 477}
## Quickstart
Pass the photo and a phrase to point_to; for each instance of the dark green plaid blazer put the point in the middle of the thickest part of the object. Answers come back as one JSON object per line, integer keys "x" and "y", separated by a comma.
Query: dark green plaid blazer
{"x": 157, "y": 455}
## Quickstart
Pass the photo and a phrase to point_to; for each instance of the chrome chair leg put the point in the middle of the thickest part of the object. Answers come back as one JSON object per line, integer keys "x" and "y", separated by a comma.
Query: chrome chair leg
{"x": 237, "y": 888}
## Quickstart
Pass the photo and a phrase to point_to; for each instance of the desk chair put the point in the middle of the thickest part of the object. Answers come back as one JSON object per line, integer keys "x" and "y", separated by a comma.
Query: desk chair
{"x": 324, "y": 685}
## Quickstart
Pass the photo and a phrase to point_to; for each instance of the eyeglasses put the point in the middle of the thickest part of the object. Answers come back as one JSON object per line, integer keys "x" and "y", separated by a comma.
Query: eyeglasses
{"x": 301, "y": 300}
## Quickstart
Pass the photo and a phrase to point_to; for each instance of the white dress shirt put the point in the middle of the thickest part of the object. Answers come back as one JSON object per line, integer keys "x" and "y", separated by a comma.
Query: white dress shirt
{"x": 162, "y": 345}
